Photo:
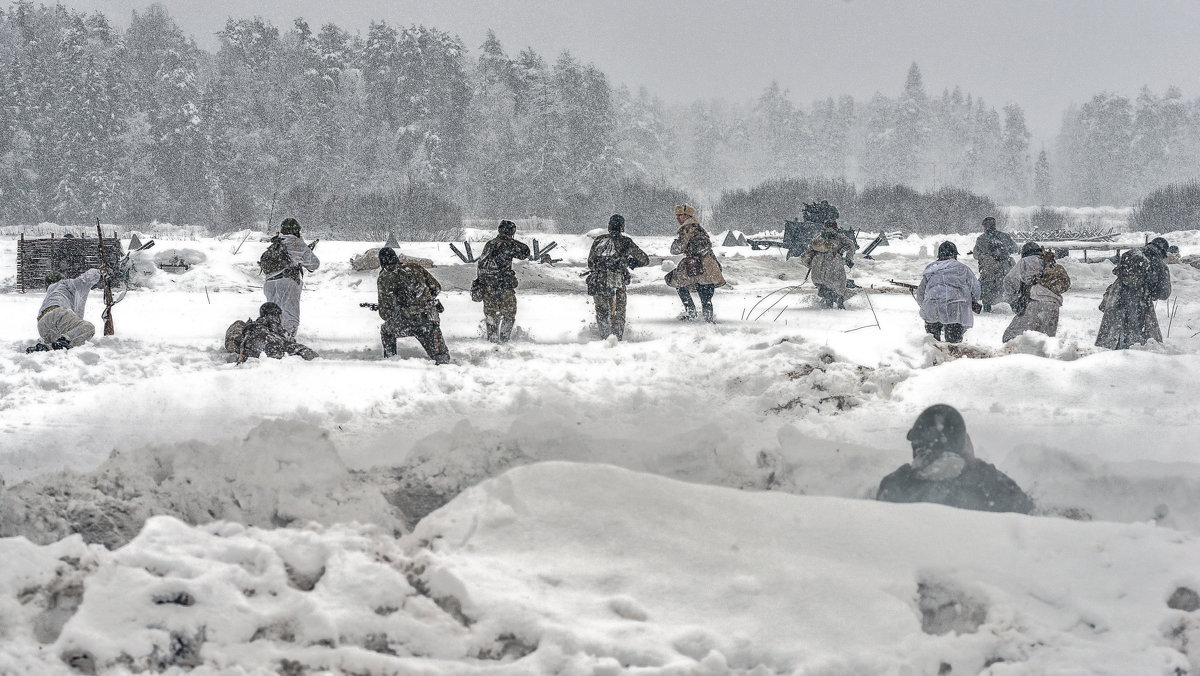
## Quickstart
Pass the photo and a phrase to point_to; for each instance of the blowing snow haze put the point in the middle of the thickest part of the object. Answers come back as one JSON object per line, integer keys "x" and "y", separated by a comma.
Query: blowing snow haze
{"x": 1042, "y": 56}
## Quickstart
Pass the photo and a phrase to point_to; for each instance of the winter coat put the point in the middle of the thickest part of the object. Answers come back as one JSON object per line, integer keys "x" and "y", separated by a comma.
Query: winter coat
{"x": 495, "y": 263}
{"x": 71, "y": 294}
{"x": 610, "y": 259}
{"x": 993, "y": 249}
{"x": 407, "y": 290}
{"x": 946, "y": 291}
{"x": 968, "y": 484}
{"x": 1128, "y": 305}
{"x": 1045, "y": 283}
{"x": 692, "y": 241}
{"x": 302, "y": 258}
{"x": 825, "y": 261}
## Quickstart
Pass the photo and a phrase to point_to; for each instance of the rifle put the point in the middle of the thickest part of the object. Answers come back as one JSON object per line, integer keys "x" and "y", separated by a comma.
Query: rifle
{"x": 107, "y": 277}
{"x": 373, "y": 307}
{"x": 911, "y": 287}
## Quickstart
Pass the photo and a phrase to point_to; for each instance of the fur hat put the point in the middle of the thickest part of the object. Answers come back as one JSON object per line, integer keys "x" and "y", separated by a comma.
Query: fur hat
{"x": 989, "y": 222}
{"x": 685, "y": 210}
{"x": 507, "y": 228}
{"x": 1031, "y": 249}
{"x": 1161, "y": 244}
{"x": 290, "y": 226}
{"x": 388, "y": 257}
{"x": 947, "y": 249}
{"x": 940, "y": 429}
{"x": 269, "y": 309}
{"x": 616, "y": 223}
{"x": 53, "y": 276}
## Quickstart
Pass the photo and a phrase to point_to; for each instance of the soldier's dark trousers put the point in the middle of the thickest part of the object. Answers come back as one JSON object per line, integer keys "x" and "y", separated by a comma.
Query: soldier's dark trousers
{"x": 428, "y": 334}
{"x": 499, "y": 314}
{"x": 954, "y": 332}
{"x": 830, "y": 297}
{"x": 705, "y": 291}
{"x": 610, "y": 313}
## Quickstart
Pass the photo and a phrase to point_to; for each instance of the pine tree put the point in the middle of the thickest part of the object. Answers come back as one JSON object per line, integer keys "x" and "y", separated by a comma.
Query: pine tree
{"x": 1043, "y": 182}
{"x": 1014, "y": 156}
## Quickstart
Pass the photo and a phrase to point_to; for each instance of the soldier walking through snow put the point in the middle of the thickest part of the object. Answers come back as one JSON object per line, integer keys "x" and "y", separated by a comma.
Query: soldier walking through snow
{"x": 993, "y": 249}
{"x": 264, "y": 335}
{"x": 945, "y": 470}
{"x": 496, "y": 282}
{"x": 948, "y": 294}
{"x": 284, "y": 263}
{"x": 60, "y": 320}
{"x": 828, "y": 256}
{"x": 699, "y": 268}
{"x": 1034, "y": 289}
{"x": 609, "y": 262}
{"x": 1128, "y": 304}
{"x": 409, "y": 306}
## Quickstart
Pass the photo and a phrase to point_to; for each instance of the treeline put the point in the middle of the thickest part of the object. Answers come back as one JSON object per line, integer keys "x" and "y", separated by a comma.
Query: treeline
{"x": 408, "y": 129}
{"x": 874, "y": 208}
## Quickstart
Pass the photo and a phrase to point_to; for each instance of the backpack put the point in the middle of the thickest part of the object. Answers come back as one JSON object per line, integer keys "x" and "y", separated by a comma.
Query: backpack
{"x": 275, "y": 259}
{"x": 233, "y": 336}
{"x": 608, "y": 256}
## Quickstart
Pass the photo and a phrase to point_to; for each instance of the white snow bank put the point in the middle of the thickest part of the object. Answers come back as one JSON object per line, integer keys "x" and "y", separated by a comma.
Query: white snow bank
{"x": 586, "y": 569}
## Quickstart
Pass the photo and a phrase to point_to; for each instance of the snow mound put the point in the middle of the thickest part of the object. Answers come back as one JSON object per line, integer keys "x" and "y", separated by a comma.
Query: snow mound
{"x": 281, "y": 473}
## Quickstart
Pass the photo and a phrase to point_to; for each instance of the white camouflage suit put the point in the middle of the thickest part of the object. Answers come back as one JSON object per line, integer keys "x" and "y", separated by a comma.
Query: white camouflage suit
{"x": 285, "y": 291}
{"x": 61, "y": 313}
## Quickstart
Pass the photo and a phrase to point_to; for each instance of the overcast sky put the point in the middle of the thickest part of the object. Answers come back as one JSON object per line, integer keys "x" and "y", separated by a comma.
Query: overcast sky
{"x": 1042, "y": 54}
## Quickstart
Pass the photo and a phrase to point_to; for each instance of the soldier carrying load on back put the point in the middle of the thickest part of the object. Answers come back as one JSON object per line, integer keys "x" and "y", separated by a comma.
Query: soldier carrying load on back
{"x": 409, "y": 306}
{"x": 284, "y": 263}
{"x": 496, "y": 282}
{"x": 609, "y": 262}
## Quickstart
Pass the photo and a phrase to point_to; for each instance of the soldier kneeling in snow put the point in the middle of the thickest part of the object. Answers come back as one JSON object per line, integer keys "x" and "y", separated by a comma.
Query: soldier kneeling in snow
{"x": 409, "y": 306}
{"x": 945, "y": 470}
{"x": 264, "y": 335}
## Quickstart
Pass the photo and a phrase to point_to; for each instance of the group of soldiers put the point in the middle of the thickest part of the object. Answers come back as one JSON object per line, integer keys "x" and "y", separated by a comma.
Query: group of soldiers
{"x": 949, "y": 293}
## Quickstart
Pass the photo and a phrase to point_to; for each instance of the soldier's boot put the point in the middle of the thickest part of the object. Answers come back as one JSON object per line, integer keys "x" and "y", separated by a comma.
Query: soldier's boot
{"x": 435, "y": 345}
{"x": 689, "y": 307}
{"x": 841, "y": 302}
{"x": 40, "y": 347}
{"x": 389, "y": 343}
{"x": 987, "y": 307}
{"x": 618, "y": 330}
{"x": 709, "y": 315}
{"x": 61, "y": 344}
{"x": 604, "y": 325}
{"x": 493, "y": 330}
{"x": 506, "y": 328}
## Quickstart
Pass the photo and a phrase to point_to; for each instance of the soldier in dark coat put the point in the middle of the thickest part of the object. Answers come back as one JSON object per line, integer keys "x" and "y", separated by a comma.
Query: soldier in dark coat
{"x": 945, "y": 470}
{"x": 496, "y": 282}
{"x": 409, "y": 306}
{"x": 265, "y": 335}
{"x": 1128, "y": 304}
{"x": 609, "y": 262}
{"x": 993, "y": 250}
{"x": 699, "y": 268}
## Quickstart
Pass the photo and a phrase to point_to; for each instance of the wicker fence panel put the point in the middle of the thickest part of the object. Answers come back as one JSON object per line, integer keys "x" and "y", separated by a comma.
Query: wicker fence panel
{"x": 71, "y": 256}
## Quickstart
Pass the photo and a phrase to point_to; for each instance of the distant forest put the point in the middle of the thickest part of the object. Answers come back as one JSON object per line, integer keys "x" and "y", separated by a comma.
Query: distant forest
{"x": 406, "y": 128}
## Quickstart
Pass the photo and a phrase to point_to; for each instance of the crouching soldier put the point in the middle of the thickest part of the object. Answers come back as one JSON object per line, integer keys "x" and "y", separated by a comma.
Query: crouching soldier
{"x": 1034, "y": 288}
{"x": 60, "y": 320}
{"x": 496, "y": 282}
{"x": 409, "y": 306}
{"x": 609, "y": 262}
{"x": 828, "y": 256}
{"x": 264, "y": 335}
{"x": 945, "y": 470}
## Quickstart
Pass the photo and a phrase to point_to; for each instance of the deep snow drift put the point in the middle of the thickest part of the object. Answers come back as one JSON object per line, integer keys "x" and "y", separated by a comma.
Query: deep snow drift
{"x": 795, "y": 400}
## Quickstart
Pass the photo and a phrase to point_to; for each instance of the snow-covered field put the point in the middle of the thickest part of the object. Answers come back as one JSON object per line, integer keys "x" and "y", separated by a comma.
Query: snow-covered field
{"x": 693, "y": 500}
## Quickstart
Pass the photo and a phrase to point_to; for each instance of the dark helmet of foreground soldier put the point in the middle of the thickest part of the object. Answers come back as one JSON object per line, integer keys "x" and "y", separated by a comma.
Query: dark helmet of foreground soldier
{"x": 616, "y": 224}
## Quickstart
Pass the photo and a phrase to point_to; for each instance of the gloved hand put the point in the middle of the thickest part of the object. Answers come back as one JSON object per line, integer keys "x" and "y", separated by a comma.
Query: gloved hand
{"x": 976, "y": 307}
{"x": 849, "y": 262}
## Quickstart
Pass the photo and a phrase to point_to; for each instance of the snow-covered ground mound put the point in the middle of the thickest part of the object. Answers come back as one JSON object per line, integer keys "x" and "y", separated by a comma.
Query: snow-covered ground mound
{"x": 589, "y": 569}
{"x": 783, "y": 396}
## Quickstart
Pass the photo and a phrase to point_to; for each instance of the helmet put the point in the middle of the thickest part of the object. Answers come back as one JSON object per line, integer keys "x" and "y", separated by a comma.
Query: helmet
{"x": 616, "y": 223}
{"x": 1161, "y": 244}
{"x": 939, "y": 428}
{"x": 53, "y": 276}
{"x": 685, "y": 210}
{"x": 989, "y": 222}
{"x": 507, "y": 228}
{"x": 1031, "y": 249}
{"x": 290, "y": 226}
{"x": 269, "y": 309}
{"x": 831, "y": 223}
{"x": 947, "y": 249}
{"x": 388, "y": 257}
